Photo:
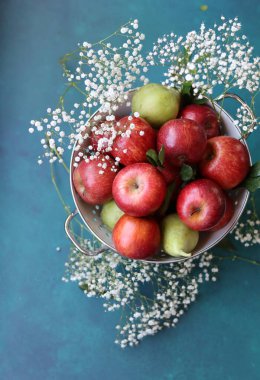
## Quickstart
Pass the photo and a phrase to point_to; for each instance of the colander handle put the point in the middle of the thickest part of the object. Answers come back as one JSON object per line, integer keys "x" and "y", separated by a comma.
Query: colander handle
{"x": 246, "y": 106}
{"x": 70, "y": 235}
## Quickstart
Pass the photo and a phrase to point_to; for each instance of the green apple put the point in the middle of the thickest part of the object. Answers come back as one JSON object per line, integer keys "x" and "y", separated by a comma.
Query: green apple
{"x": 110, "y": 214}
{"x": 156, "y": 103}
{"x": 177, "y": 238}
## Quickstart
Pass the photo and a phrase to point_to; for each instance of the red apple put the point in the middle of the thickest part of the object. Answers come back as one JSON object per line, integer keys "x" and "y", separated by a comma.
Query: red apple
{"x": 204, "y": 116}
{"x": 139, "y": 189}
{"x": 228, "y": 214}
{"x": 201, "y": 204}
{"x": 136, "y": 138}
{"x": 183, "y": 140}
{"x": 93, "y": 179}
{"x": 136, "y": 238}
{"x": 225, "y": 161}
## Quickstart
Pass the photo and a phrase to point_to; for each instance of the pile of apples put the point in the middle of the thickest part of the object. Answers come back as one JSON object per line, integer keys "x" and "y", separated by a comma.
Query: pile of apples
{"x": 174, "y": 172}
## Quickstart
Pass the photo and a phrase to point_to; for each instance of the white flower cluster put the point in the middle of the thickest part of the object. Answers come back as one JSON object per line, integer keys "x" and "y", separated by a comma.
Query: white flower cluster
{"x": 102, "y": 76}
{"x": 247, "y": 231}
{"x": 244, "y": 121}
{"x": 150, "y": 296}
{"x": 211, "y": 57}
{"x": 218, "y": 58}
{"x": 101, "y": 131}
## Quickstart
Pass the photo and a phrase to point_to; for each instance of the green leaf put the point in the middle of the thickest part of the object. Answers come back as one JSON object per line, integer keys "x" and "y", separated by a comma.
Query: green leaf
{"x": 255, "y": 170}
{"x": 199, "y": 101}
{"x": 227, "y": 245}
{"x": 84, "y": 286}
{"x": 161, "y": 155}
{"x": 167, "y": 199}
{"x": 186, "y": 55}
{"x": 186, "y": 88}
{"x": 252, "y": 181}
{"x": 151, "y": 161}
{"x": 203, "y": 57}
{"x": 252, "y": 184}
{"x": 152, "y": 157}
{"x": 186, "y": 172}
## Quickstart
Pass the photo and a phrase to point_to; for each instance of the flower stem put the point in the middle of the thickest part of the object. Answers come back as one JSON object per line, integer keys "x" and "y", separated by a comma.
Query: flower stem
{"x": 236, "y": 257}
{"x": 66, "y": 207}
{"x": 53, "y": 178}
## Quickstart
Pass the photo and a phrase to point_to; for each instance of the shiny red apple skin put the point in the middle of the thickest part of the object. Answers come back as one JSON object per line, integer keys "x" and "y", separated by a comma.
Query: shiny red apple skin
{"x": 93, "y": 187}
{"x": 204, "y": 116}
{"x": 201, "y": 204}
{"x": 228, "y": 214}
{"x": 133, "y": 149}
{"x": 184, "y": 141}
{"x": 139, "y": 189}
{"x": 225, "y": 161}
{"x": 136, "y": 238}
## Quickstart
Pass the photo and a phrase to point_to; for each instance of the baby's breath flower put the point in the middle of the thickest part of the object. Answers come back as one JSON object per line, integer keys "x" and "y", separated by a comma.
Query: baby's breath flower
{"x": 217, "y": 57}
{"x": 247, "y": 230}
{"x": 102, "y": 76}
{"x": 120, "y": 283}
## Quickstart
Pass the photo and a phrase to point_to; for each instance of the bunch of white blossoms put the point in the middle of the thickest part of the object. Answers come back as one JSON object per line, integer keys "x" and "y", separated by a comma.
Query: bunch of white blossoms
{"x": 211, "y": 58}
{"x": 244, "y": 121}
{"x": 247, "y": 231}
{"x": 102, "y": 76}
{"x": 150, "y": 296}
{"x": 219, "y": 58}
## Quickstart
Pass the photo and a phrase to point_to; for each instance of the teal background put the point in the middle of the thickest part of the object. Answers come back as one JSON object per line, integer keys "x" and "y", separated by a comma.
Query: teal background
{"x": 48, "y": 329}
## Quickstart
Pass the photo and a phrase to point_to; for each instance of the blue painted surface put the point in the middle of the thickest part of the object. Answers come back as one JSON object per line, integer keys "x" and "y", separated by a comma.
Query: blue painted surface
{"x": 49, "y": 330}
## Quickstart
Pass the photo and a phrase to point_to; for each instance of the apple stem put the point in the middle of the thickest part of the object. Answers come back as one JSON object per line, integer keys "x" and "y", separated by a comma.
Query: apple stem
{"x": 184, "y": 254}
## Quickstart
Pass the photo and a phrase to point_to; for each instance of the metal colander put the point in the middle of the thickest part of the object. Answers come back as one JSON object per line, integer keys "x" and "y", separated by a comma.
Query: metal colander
{"x": 90, "y": 215}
